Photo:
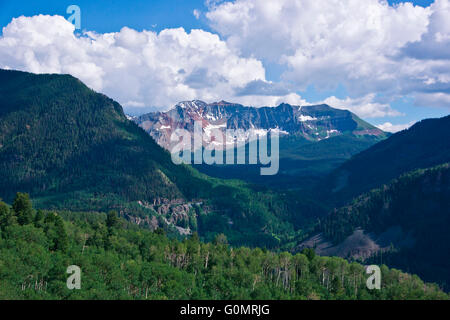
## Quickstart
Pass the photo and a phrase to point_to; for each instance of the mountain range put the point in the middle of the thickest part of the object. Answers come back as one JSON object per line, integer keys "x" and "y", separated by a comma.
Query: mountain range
{"x": 314, "y": 139}
{"x": 314, "y": 123}
{"x": 342, "y": 181}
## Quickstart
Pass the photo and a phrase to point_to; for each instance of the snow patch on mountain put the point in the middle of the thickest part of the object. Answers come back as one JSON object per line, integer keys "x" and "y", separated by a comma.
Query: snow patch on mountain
{"x": 303, "y": 118}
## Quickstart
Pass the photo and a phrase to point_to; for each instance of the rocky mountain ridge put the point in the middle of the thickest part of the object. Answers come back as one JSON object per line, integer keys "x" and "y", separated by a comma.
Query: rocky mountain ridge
{"x": 314, "y": 123}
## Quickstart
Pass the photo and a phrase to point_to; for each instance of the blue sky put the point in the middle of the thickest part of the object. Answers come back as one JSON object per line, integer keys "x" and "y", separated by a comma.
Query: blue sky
{"x": 111, "y": 16}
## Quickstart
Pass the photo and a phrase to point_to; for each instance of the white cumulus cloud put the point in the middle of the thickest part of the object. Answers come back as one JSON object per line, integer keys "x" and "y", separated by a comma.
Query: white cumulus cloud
{"x": 365, "y": 106}
{"x": 136, "y": 68}
{"x": 367, "y": 46}
{"x": 389, "y": 127}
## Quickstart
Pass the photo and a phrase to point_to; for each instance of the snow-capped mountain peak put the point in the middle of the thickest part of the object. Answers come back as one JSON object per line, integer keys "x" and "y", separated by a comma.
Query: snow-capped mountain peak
{"x": 314, "y": 123}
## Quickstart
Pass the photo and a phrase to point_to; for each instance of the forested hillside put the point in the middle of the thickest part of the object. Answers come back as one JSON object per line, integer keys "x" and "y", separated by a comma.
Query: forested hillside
{"x": 119, "y": 260}
{"x": 58, "y": 136}
{"x": 72, "y": 148}
{"x": 417, "y": 204}
{"x": 424, "y": 145}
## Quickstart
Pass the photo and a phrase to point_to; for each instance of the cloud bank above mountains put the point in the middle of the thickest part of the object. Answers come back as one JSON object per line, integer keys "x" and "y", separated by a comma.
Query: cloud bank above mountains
{"x": 136, "y": 68}
{"x": 368, "y": 46}
{"x": 376, "y": 51}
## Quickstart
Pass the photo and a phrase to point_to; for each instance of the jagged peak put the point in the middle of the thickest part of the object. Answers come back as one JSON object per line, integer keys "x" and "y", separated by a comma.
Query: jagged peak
{"x": 223, "y": 103}
{"x": 285, "y": 104}
{"x": 191, "y": 104}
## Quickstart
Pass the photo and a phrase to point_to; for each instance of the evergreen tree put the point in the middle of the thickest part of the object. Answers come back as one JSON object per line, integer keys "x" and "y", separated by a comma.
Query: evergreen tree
{"x": 22, "y": 208}
{"x": 61, "y": 240}
{"x": 5, "y": 215}
{"x": 38, "y": 219}
{"x": 309, "y": 253}
{"x": 112, "y": 220}
{"x": 56, "y": 232}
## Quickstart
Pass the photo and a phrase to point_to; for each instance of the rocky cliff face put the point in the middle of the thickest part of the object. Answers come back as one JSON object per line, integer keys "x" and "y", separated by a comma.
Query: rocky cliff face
{"x": 314, "y": 123}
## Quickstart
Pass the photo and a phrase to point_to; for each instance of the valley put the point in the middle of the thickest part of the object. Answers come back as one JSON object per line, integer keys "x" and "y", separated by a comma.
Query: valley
{"x": 345, "y": 188}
